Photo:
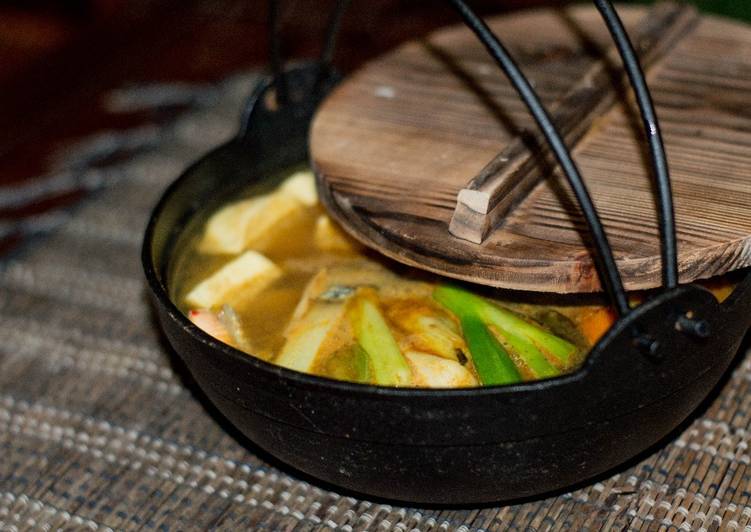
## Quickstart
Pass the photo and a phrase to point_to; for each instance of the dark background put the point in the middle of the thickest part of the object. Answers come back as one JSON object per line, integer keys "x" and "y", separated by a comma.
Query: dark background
{"x": 58, "y": 58}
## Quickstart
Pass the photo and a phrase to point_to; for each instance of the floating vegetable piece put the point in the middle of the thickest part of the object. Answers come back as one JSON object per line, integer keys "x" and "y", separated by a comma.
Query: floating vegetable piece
{"x": 350, "y": 363}
{"x": 530, "y": 356}
{"x": 301, "y": 185}
{"x": 361, "y": 363}
{"x": 210, "y": 323}
{"x": 307, "y": 335}
{"x": 248, "y": 274}
{"x": 254, "y": 223}
{"x": 427, "y": 328}
{"x": 231, "y": 321}
{"x": 595, "y": 324}
{"x": 464, "y": 303}
{"x": 563, "y": 327}
{"x": 492, "y": 362}
{"x": 508, "y": 322}
{"x": 328, "y": 237}
{"x": 431, "y": 371}
{"x": 373, "y": 334}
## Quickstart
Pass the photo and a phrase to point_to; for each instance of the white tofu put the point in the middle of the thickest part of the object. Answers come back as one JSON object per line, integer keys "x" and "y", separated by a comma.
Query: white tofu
{"x": 254, "y": 223}
{"x": 225, "y": 230}
{"x": 248, "y": 274}
{"x": 301, "y": 185}
{"x": 328, "y": 237}
{"x": 281, "y": 211}
{"x": 250, "y": 224}
{"x": 432, "y": 371}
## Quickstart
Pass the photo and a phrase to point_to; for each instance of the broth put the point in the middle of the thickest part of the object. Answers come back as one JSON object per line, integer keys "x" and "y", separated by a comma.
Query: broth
{"x": 272, "y": 275}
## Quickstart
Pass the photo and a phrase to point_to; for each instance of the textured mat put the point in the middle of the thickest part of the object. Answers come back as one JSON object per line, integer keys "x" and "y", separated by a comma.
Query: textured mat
{"x": 98, "y": 431}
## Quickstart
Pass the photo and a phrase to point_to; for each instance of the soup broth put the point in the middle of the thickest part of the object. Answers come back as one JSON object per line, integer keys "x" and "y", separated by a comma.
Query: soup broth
{"x": 272, "y": 275}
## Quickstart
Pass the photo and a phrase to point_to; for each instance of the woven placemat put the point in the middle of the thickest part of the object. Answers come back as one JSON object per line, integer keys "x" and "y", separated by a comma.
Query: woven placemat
{"x": 98, "y": 430}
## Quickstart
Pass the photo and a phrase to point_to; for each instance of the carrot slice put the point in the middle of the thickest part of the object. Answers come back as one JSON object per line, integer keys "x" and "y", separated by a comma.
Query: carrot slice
{"x": 595, "y": 324}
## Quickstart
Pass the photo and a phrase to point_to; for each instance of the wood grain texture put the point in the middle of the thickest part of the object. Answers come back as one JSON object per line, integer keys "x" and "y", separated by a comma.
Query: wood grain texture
{"x": 484, "y": 202}
{"x": 397, "y": 141}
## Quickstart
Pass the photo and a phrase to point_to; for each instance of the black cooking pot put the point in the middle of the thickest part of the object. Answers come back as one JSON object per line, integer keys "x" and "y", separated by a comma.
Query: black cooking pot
{"x": 479, "y": 445}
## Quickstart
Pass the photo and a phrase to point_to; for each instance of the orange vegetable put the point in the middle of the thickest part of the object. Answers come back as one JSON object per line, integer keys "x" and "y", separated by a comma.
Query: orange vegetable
{"x": 595, "y": 324}
{"x": 210, "y": 323}
{"x": 721, "y": 288}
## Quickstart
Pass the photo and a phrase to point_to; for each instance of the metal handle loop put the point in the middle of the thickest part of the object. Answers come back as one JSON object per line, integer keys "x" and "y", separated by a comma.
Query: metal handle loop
{"x": 635, "y": 73}
{"x": 275, "y": 53}
{"x": 276, "y": 60}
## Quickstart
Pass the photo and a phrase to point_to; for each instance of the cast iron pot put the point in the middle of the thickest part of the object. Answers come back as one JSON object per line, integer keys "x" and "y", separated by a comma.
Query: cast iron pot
{"x": 439, "y": 446}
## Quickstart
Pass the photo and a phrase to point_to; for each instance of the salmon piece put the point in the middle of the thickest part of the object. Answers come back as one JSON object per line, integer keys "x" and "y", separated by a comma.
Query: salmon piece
{"x": 210, "y": 323}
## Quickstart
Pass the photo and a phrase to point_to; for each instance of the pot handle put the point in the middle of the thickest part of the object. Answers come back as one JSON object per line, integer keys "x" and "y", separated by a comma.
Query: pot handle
{"x": 265, "y": 124}
{"x": 283, "y": 103}
{"x": 276, "y": 61}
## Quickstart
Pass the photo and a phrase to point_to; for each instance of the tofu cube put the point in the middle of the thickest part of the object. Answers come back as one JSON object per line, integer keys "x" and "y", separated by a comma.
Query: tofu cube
{"x": 250, "y": 224}
{"x": 248, "y": 274}
{"x": 328, "y": 237}
{"x": 301, "y": 185}
{"x": 225, "y": 230}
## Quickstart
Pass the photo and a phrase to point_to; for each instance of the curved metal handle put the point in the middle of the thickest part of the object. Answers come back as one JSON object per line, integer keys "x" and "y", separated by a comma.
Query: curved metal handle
{"x": 265, "y": 125}
{"x": 276, "y": 60}
{"x": 635, "y": 73}
{"x": 283, "y": 104}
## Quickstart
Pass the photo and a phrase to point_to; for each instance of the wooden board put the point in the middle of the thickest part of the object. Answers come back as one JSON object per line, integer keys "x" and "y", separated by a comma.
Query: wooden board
{"x": 395, "y": 144}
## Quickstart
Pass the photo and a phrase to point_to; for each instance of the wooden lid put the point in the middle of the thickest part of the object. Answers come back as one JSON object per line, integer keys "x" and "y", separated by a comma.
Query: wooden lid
{"x": 429, "y": 156}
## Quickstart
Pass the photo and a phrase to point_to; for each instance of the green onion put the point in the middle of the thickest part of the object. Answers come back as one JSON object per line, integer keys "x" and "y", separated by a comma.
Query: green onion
{"x": 492, "y": 362}
{"x": 350, "y": 363}
{"x": 532, "y": 357}
{"x": 389, "y": 366}
{"x": 510, "y": 323}
{"x": 528, "y": 341}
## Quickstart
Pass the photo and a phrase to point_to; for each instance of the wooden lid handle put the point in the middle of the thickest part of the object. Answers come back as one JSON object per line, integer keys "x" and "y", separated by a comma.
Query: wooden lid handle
{"x": 483, "y": 203}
